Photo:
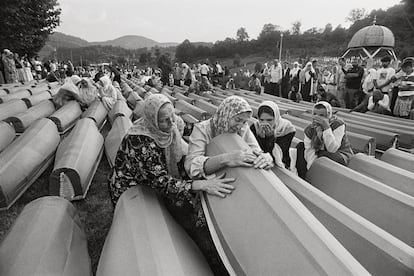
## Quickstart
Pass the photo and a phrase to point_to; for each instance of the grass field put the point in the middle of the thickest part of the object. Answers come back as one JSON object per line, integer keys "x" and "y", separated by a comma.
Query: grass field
{"x": 95, "y": 210}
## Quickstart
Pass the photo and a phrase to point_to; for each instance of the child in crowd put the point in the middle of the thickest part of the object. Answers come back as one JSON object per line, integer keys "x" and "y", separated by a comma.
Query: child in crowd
{"x": 255, "y": 85}
{"x": 325, "y": 136}
{"x": 295, "y": 95}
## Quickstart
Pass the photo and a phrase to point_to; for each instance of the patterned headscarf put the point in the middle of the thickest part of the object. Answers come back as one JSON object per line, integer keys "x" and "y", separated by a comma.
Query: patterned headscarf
{"x": 230, "y": 107}
{"x": 148, "y": 126}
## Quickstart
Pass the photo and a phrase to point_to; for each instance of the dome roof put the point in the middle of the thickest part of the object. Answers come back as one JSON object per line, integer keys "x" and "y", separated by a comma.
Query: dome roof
{"x": 374, "y": 35}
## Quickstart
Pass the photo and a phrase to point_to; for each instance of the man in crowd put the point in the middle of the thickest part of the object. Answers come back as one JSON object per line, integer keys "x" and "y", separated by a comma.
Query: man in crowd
{"x": 353, "y": 77}
{"x": 275, "y": 78}
{"x": 382, "y": 79}
{"x": 285, "y": 80}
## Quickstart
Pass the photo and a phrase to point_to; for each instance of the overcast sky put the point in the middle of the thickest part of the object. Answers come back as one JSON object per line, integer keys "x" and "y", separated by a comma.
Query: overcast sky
{"x": 208, "y": 20}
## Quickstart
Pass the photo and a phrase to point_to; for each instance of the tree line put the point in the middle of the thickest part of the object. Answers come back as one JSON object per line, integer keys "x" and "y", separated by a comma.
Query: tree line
{"x": 328, "y": 41}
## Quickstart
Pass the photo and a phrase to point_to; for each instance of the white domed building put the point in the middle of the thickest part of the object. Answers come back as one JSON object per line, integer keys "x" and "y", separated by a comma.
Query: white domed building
{"x": 372, "y": 42}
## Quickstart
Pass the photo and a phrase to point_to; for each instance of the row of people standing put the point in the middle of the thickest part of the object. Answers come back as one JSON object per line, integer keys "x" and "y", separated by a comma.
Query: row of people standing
{"x": 14, "y": 68}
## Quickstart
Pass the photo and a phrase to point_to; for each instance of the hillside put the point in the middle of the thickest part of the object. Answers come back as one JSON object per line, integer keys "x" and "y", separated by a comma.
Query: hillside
{"x": 132, "y": 42}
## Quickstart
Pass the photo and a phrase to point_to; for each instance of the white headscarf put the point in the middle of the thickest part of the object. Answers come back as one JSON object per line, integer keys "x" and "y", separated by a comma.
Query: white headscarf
{"x": 281, "y": 126}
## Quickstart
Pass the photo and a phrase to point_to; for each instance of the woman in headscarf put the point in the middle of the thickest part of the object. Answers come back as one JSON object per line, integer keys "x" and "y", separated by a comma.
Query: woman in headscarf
{"x": 107, "y": 92}
{"x": 294, "y": 76}
{"x": 10, "y": 71}
{"x": 67, "y": 92}
{"x": 150, "y": 155}
{"x": 231, "y": 117}
{"x": 325, "y": 136}
{"x": 88, "y": 92}
{"x": 307, "y": 75}
{"x": 273, "y": 133}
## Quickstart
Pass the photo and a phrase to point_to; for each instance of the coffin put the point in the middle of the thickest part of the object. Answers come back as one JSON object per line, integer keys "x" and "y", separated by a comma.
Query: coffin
{"x": 206, "y": 106}
{"x": 77, "y": 159}
{"x": 191, "y": 109}
{"x": 141, "y": 91}
{"x": 37, "y": 98}
{"x": 399, "y": 158}
{"x": 132, "y": 99}
{"x": 184, "y": 98}
{"x": 378, "y": 251}
{"x": 263, "y": 229}
{"x": 25, "y": 159}
{"x": 390, "y": 175}
{"x": 145, "y": 240}
{"x": 138, "y": 110}
{"x": 114, "y": 138}
{"x": 97, "y": 112}
{"x": 46, "y": 239}
{"x": 39, "y": 89}
{"x": 7, "y": 134}
{"x": 125, "y": 89}
{"x": 12, "y": 108}
{"x": 198, "y": 97}
{"x": 405, "y": 133}
{"x": 15, "y": 96}
{"x": 66, "y": 116}
{"x": 120, "y": 108}
{"x": 23, "y": 120}
{"x": 383, "y": 205}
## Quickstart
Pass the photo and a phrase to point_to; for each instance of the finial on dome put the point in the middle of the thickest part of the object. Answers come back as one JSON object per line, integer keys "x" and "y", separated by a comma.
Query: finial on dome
{"x": 375, "y": 20}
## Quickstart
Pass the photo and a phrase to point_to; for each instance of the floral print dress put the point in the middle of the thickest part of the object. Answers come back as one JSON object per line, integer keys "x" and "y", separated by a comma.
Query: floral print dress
{"x": 140, "y": 161}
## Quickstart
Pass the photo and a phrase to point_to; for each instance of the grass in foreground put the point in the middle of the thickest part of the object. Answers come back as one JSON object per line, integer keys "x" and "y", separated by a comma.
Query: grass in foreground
{"x": 95, "y": 211}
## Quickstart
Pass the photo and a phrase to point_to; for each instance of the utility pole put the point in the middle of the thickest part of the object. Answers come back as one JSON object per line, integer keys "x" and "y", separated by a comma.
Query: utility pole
{"x": 280, "y": 48}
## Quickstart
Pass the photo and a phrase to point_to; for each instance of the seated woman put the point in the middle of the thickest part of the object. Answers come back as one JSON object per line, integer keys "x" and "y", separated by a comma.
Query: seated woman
{"x": 273, "y": 133}
{"x": 150, "y": 155}
{"x": 88, "y": 92}
{"x": 67, "y": 92}
{"x": 231, "y": 117}
{"x": 107, "y": 92}
{"x": 379, "y": 103}
{"x": 325, "y": 136}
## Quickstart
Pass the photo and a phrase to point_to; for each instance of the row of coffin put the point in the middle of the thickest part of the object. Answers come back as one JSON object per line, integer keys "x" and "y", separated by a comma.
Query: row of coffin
{"x": 42, "y": 132}
{"x": 378, "y": 251}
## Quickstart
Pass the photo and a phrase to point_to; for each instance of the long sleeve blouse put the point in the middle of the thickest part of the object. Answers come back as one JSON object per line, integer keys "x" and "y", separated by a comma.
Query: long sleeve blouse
{"x": 198, "y": 141}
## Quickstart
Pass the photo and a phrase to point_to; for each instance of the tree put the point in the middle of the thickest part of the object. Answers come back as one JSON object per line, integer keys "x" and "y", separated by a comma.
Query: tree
{"x": 242, "y": 34}
{"x": 26, "y": 24}
{"x": 185, "y": 51}
{"x": 296, "y": 27}
{"x": 328, "y": 28}
{"x": 268, "y": 29}
{"x": 356, "y": 15}
{"x": 164, "y": 63}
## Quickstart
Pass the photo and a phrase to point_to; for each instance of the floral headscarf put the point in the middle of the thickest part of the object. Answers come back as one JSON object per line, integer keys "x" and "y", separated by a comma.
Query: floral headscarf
{"x": 281, "y": 126}
{"x": 230, "y": 107}
{"x": 148, "y": 126}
